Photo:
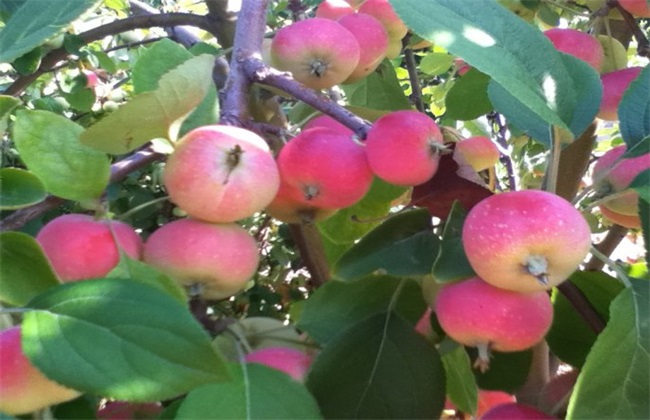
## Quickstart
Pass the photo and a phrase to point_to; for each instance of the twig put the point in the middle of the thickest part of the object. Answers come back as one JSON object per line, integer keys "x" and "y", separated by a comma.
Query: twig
{"x": 609, "y": 243}
{"x": 500, "y": 134}
{"x": 411, "y": 66}
{"x": 643, "y": 45}
{"x": 554, "y": 161}
{"x": 582, "y": 305}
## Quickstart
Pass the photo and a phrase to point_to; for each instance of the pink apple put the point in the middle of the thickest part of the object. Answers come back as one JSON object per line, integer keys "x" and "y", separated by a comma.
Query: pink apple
{"x": 23, "y": 388}
{"x": 92, "y": 79}
{"x": 525, "y": 241}
{"x": 403, "y": 147}
{"x": 475, "y": 313}
{"x": 221, "y": 174}
{"x": 334, "y": 9}
{"x": 293, "y": 362}
{"x": 515, "y": 411}
{"x": 327, "y": 122}
{"x": 615, "y": 84}
{"x": 461, "y": 66}
{"x": 625, "y": 220}
{"x": 578, "y": 44}
{"x": 213, "y": 260}
{"x": 324, "y": 168}
{"x": 373, "y": 39}
{"x": 489, "y": 399}
{"x": 288, "y": 209}
{"x": 423, "y": 326}
{"x": 479, "y": 152}
{"x": 320, "y": 53}
{"x": 384, "y": 13}
{"x": 637, "y": 8}
{"x": 123, "y": 410}
{"x": 80, "y": 247}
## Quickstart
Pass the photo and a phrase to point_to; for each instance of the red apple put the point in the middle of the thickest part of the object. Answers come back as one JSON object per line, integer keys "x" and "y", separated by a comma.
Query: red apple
{"x": 479, "y": 152}
{"x": 80, "y": 247}
{"x": 333, "y": 9}
{"x": 324, "y": 168}
{"x": 373, "y": 39}
{"x": 489, "y": 399}
{"x": 423, "y": 326}
{"x": 327, "y": 122}
{"x": 291, "y": 361}
{"x": 23, "y": 388}
{"x": 615, "y": 84}
{"x": 515, "y": 411}
{"x": 461, "y": 66}
{"x": 221, "y": 174}
{"x": 475, "y": 313}
{"x": 403, "y": 147}
{"x": 525, "y": 241}
{"x": 91, "y": 78}
{"x": 625, "y": 220}
{"x": 578, "y": 44}
{"x": 213, "y": 260}
{"x": 384, "y": 13}
{"x": 123, "y": 410}
{"x": 637, "y": 8}
{"x": 320, "y": 53}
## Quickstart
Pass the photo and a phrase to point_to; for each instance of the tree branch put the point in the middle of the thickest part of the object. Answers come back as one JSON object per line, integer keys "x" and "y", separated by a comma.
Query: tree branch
{"x": 643, "y": 45}
{"x": 580, "y": 303}
{"x": 411, "y": 66}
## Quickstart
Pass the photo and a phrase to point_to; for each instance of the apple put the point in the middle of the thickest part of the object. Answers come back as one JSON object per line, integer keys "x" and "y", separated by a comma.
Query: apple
{"x": 80, "y": 247}
{"x": 474, "y": 313}
{"x": 293, "y": 362}
{"x": 120, "y": 410}
{"x": 92, "y": 79}
{"x": 515, "y": 411}
{"x": 373, "y": 39}
{"x": 214, "y": 260}
{"x": 403, "y": 147}
{"x": 423, "y": 326}
{"x": 324, "y": 168}
{"x": 613, "y": 174}
{"x": 326, "y": 121}
{"x": 625, "y": 220}
{"x": 221, "y": 174}
{"x": 489, "y": 399}
{"x": 578, "y": 44}
{"x": 23, "y": 388}
{"x": 461, "y": 66}
{"x": 525, "y": 241}
{"x": 637, "y": 8}
{"x": 615, "y": 54}
{"x": 288, "y": 209}
{"x": 479, "y": 152}
{"x": 334, "y": 9}
{"x": 319, "y": 53}
{"x": 355, "y": 3}
{"x": 615, "y": 84}
{"x": 384, "y": 13}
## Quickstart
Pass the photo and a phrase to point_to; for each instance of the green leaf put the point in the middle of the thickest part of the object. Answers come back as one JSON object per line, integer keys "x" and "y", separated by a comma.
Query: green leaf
{"x": 403, "y": 245}
{"x": 507, "y": 372}
{"x": 644, "y": 213}
{"x": 468, "y": 99}
{"x": 379, "y": 90}
{"x": 29, "y": 62}
{"x": 25, "y": 271}
{"x": 641, "y": 184}
{"x": 255, "y": 392}
{"x": 154, "y": 114}
{"x": 49, "y": 146}
{"x": 436, "y": 63}
{"x": 614, "y": 381}
{"x": 451, "y": 263}
{"x": 155, "y": 61}
{"x": 634, "y": 110}
{"x": 81, "y": 100}
{"x": 19, "y": 188}
{"x": 7, "y": 104}
{"x": 378, "y": 368}
{"x": 570, "y": 337}
{"x": 129, "y": 268}
{"x": 642, "y": 147}
{"x": 336, "y": 306}
{"x": 120, "y": 339}
{"x": 206, "y": 113}
{"x": 37, "y": 21}
{"x": 461, "y": 383}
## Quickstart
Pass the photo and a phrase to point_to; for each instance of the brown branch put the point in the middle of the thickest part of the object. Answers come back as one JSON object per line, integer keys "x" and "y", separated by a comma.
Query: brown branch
{"x": 411, "y": 67}
{"x": 226, "y": 12}
{"x": 643, "y": 45}
{"x": 582, "y": 305}
{"x": 311, "y": 249}
{"x": 609, "y": 243}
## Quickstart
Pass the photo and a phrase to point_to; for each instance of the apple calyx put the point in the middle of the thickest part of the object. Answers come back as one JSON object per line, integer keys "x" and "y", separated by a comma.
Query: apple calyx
{"x": 537, "y": 266}
{"x": 437, "y": 148}
{"x": 233, "y": 158}
{"x": 318, "y": 68}
{"x": 482, "y": 362}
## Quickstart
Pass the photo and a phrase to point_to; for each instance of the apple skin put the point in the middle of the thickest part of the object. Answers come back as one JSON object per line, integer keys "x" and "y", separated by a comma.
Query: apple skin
{"x": 288, "y": 209}
{"x": 324, "y": 168}
{"x": 515, "y": 411}
{"x": 220, "y": 258}
{"x": 291, "y": 361}
{"x": 334, "y": 9}
{"x": 80, "y": 247}
{"x": 614, "y": 175}
{"x": 525, "y": 241}
{"x": 637, "y": 8}
{"x": 578, "y": 44}
{"x": 403, "y": 147}
{"x": 488, "y": 399}
{"x": 23, "y": 388}
{"x": 319, "y": 53}
{"x": 221, "y": 174}
{"x": 92, "y": 79}
{"x": 615, "y": 84}
{"x": 384, "y": 13}
{"x": 479, "y": 152}
{"x": 327, "y": 122}
{"x": 630, "y": 222}
{"x": 373, "y": 38}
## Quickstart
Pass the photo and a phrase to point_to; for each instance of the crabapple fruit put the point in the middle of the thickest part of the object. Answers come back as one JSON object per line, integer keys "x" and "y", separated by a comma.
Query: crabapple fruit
{"x": 476, "y": 314}
{"x": 221, "y": 174}
{"x": 625, "y": 220}
{"x": 80, "y": 247}
{"x": 293, "y": 362}
{"x": 23, "y": 388}
{"x": 526, "y": 240}
{"x": 213, "y": 260}
{"x": 615, "y": 84}
{"x": 324, "y": 168}
{"x": 91, "y": 78}
{"x": 326, "y": 121}
{"x": 637, "y": 8}
{"x": 515, "y": 411}
{"x": 578, "y": 44}
{"x": 333, "y": 9}
{"x": 403, "y": 147}
{"x": 319, "y": 53}
{"x": 488, "y": 399}
{"x": 479, "y": 152}
{"x": 384, "y": 13}
{"x": 373, "y": 38}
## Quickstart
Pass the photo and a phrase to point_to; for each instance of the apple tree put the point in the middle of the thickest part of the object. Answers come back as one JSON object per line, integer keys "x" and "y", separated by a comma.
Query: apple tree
{"x": 324, "y": 209}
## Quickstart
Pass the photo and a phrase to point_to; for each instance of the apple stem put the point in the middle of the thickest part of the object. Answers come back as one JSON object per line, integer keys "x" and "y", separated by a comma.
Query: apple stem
{"x": 482, "y": 362}
{"x": 537, "y": 266}
{"x": 233, "y": 159}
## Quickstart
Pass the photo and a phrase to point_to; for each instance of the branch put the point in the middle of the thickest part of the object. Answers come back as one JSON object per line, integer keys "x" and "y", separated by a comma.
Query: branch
{"x": 643, "y": 45}
{"x": 411, "y": 66}
{"x": 609, "y": 243}
{"x": 582, "y": 306}
{"x": 226, "y": 12}
{"x": 500, "y": 133}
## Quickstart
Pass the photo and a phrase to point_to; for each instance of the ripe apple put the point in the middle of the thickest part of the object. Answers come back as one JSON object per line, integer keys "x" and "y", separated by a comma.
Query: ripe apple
{"x": 403, "y": 147}
{"x": 288, "y": 209}
{"x": 333, "y": 9}
{"x": 615, "y": 84}
{"x": 80, "y": 247}
{"x": 423, "y": 326}
{"x": 578, "y": 44}
{"x": 324, "y": 168}
{"x": 637, "y": 8}
{"x": 92, "y": 79}
{"x": 120, "y": 410}
{"x": 221, "y": 174}
{"x": 214, "y": 260}
{"x": 615, "y": 54}
{"x": 515, "y": 411}
{"x": 488, "y": 399}
{"x": 476, "y": 314}
{"x": 479, "y": 152}
{"x": 614, "y": 175}
{"x": 384, "y": 13}
{"x": 526, "y": 240}
{"x": 373, "y": 39}
{"x": 320, "y": 53}
{"x": 327, "y": 122}
{"x": 625, "y": 220}
{"x": 23, "y": 388}
{"x": 293, "y": 362}
{"x": 461, "y": 66}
